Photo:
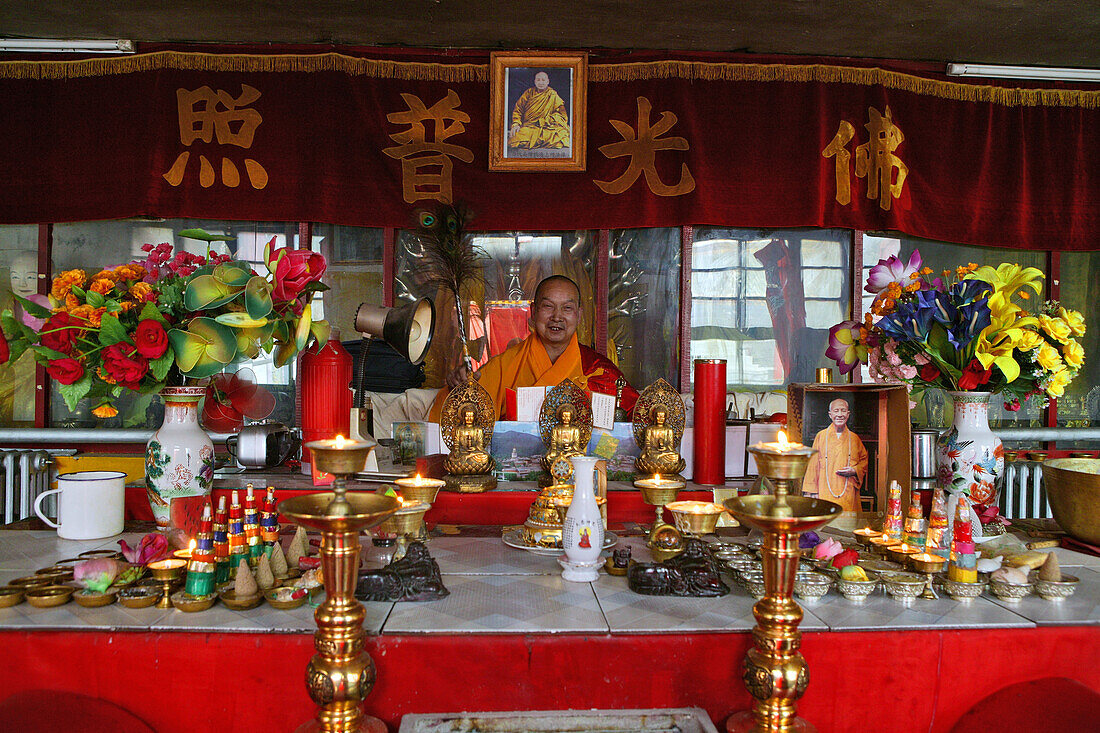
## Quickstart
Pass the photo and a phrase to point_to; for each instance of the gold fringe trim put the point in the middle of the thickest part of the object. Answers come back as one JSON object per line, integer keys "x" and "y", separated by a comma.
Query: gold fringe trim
{"x": 186, "y": 61}
{"x": 829, "y": 74}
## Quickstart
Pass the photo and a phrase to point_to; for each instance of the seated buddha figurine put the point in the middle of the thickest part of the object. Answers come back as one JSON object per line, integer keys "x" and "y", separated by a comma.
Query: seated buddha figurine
{"x": 565, "y": 439}
{"x": 659, "y": 452}
{"x": 468, "y": 456}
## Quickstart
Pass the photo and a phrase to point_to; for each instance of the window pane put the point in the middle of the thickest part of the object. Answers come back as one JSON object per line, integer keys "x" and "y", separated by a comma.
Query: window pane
{"x": 1080, "y": 407}
{"x": 18, "y": 276}
{"x": 354, "y": 273}
{"x": 516, "y": 262}
{"x": 644, "y": 304}
{"x": 91, "y": 246}
{"x": 764, "y": 300}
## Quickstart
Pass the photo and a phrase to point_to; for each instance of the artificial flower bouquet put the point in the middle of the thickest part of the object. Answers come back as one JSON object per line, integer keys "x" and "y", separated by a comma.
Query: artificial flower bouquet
{"x": 157, "y": 322}
{"x": 962, "y": 330}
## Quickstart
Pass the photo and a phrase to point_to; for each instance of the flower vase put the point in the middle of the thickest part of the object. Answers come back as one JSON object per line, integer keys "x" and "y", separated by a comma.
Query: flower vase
{"x": 970, "y": 457}
{"x": 179, "y": 462}
{"x": 582, "y": 532}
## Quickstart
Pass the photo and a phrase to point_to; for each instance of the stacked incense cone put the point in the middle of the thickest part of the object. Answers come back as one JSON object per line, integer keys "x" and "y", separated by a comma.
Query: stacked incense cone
{"x": 936, "y": 542}
{"x": 200, "y": 569}
{"x": 269, "y": 523}
{"x": 221, "y": 544}
{"x": 964, "y": 562}
{"x": 892, "y": 525}
{"x": 914, "y": 521}
{"x": 238, "y": 550}
{"x": 252, "y": 528}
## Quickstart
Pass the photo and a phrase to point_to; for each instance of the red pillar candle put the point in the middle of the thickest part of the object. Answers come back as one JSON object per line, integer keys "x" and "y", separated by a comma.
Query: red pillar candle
{"x": 326, "y": 395}
{"x": 709, "y": 433}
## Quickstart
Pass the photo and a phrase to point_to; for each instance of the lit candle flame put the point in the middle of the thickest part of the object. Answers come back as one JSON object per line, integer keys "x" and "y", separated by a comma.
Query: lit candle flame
{"x": 657, "y": 478}
{"x": 191, "y": 547}
{"x": 783, "y": 444}
{"x": 340, "y": 441}
{"x": 419, "y": 480}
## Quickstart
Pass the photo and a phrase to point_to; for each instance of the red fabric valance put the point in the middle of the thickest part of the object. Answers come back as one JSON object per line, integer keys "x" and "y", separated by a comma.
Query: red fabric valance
{"x": 331, "y": 138}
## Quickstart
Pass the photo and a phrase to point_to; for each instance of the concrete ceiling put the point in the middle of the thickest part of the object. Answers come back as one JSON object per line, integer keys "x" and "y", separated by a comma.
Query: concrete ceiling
{"x": 1028, "y": 32}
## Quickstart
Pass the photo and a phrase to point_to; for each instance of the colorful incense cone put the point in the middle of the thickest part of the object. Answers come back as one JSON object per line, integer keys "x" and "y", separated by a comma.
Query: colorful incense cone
{"x": 914, "y": 522}
{"x": 892, "y": 525}
{"x": 221, "y": 543}
{"x": 252, "y": 527}
{"x": 238, "y": 549}
{"x": 937, "y": 542}
{"x": 200, "y": 569}
{"x": 269, "y": 523}
{"x": 964, "y": 562}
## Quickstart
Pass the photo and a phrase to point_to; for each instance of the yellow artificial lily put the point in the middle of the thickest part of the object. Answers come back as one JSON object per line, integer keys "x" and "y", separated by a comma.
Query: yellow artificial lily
{"x": 1056, "y": 328}
{"x": 1048, "y": 357}
{"x": 1073, "y": 353}
{"x": 1006, "y": 279}
{"x": 996, "y": 342}
{"x": 1074, "y": 320}
{"x": 1056, "y": 387}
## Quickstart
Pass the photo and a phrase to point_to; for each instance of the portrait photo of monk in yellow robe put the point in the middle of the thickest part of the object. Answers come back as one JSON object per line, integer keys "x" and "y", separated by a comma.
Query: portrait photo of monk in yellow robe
{"x": 540, "y": 118}
{"x": 837, "y": 470}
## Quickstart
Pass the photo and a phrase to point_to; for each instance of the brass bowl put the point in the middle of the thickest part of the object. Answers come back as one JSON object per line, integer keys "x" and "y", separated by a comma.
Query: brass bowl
{"x": 660, "y": 496}
{"x": 55, "y": 575}
{"x": 811, "y": 586}
{"x": 365, "y": 511}
{"x": 1056, "y": 590}
{"x": 50, "y": 596}
{"x": 695, "y": 517}
{"x": 754, "y": 583}
{"x": 927, "y": 566}
{"x": 141, "y": 596}
{"x": 269, "y": 595}
{"x": 93, "y": 599}
{"x": 10, "y": 596}
{"x": 904, "y": 586}
{"x": 857, "y": 590}
{"x": 193, "y": 604}
{"x": 31, "y": 581}
{"x": 230, "y": 600}
{"x": 1073, "y": 487}
{"x": 962, "y": 590}
{"x": 108, "y": 554}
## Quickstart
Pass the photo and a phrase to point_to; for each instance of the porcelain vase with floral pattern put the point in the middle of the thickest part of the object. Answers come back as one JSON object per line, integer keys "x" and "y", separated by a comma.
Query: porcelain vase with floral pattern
{"x": 179, "y": 461}
{"x": 970, "y": 457}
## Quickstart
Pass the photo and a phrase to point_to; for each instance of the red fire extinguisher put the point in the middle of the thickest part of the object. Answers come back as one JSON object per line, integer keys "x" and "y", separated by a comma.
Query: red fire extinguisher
{"x": 326, "y": 394}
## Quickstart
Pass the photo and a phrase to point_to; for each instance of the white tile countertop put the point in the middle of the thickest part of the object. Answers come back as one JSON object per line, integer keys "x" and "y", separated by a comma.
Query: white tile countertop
{"x": 497, "y": 589}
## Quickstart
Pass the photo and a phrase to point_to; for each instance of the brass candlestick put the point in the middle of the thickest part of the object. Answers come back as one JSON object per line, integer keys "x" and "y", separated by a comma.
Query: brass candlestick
{"x": 341, "y": 673}
{"x": 420, "y": 489}
{"x": 775, "y": 672}
{"x": 167, "y": 573}
{"x": 404, "y": 523}
{"x": 659, "y": 492}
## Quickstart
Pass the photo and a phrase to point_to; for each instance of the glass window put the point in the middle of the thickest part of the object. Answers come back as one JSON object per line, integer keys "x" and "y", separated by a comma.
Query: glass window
{"x": 93, "y": 245}
{"x": 354, "y": 273}
{"x": 496, "y": 308}
{"x": 934, "y": 408}
{"x": 1080, "y": 291}
{"x": 764, "y": 300}
{"x": 643, "y": 312}
{"x": 18, "y": 276}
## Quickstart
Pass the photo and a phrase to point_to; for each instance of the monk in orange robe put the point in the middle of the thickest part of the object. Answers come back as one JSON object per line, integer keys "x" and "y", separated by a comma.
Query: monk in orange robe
{"x": 837, "y": 470}
{"x": 549, "y": 355}
{"x": 539, "y": 119}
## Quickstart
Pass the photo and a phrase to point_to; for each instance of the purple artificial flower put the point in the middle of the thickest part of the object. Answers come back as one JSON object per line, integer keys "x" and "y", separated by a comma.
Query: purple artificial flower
{"x": 892, "y": 270}
{"x": 844, "y": 346}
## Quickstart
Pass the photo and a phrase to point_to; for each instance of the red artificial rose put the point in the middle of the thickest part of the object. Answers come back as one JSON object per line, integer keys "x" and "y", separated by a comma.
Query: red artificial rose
{"x": 295, "y": 269}
{"x": 61, "y": 332}
{"x": 65, "y": 371}
{"x": 4, "y": 351}
{"x": 150, "y": 339}
{"x": 124, "y": 365}
{"x": 974, "y": 376}
{"x": 929, "y": 373}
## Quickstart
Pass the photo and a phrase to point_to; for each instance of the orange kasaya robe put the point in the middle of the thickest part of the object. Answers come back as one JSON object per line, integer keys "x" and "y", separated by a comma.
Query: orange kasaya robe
{"x": 528, "y": 365}
{"x": 835, "y": 452}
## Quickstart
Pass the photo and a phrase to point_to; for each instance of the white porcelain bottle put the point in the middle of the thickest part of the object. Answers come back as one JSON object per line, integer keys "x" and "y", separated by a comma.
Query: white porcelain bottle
{"x": 582, "y": 533}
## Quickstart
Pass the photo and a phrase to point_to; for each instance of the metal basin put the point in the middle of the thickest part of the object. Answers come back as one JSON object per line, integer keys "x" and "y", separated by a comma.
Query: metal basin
{"x": 1073, "y": 488}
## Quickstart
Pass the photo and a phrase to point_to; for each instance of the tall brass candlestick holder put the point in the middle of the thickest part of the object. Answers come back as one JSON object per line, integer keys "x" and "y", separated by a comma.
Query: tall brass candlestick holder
{"x": 775, "y": 671}
{"x": 420, "y": 489}
{"x": 404, "y": 523}
{"x": 341, "y": 673}
{"x": 658, "y": 492}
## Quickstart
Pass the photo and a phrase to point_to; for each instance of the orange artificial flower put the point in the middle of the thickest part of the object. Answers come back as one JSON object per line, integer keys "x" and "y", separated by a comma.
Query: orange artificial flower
{"x": 102, "y": 285}
{"x": 93, "y": 316}
{"x": 104, "y": 275}
{"x": 142, "y": 291}
{"x": 99, "y": 371}
{"x": 105, "y": 411}
{"x": 129, "y": 272}
{"x": 63, "y": 283}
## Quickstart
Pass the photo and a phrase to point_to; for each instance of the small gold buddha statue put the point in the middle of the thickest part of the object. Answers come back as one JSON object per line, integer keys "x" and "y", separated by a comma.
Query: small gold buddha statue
{"x": 468, "y": 456}
{"x": 466, "y": 424}
{"x": 659, "y": 454}
{"x": 565, "y": 439}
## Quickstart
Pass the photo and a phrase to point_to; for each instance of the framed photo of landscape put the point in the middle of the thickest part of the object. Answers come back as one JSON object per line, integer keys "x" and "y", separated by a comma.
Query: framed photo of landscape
{"x": 537, "y": 111}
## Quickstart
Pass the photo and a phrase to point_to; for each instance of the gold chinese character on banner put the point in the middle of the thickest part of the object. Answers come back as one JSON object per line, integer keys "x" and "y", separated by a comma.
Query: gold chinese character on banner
{"x": 875, "y": 159}
{"x": 642, "y": 149}
{"x": 206, "y": 115}
{"x": 426, "y": 163}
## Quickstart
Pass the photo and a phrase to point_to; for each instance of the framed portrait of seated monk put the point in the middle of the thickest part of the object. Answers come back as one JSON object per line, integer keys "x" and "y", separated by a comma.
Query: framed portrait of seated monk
{"x": 537, "y": 111}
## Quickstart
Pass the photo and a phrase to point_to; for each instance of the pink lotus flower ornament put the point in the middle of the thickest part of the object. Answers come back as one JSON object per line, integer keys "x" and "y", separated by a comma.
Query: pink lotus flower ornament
{"x": 845, "y": 347}
{"x": 892, "y": 270}
{"x": 153, "y": 547}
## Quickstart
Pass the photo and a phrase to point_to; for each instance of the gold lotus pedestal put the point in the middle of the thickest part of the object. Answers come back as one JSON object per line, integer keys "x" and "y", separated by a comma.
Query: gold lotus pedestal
{"x": 341, "y": 673}
{"x": 775, "y": 672}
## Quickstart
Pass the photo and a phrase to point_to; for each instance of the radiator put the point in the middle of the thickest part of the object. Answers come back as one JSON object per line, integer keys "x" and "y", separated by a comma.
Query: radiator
{"x": 26, "y": 474}
{"x": 1024, "y": 496}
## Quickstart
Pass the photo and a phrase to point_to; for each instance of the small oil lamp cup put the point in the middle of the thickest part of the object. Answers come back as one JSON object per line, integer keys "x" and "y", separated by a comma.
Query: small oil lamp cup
{"x": 865, "y": 535}
{"x": 901, "y": 553}
{"x": 695, "y": 517}
{"x": 341, "y": 458}
{"x": 404, "y": 523}
{"x": 167, "y": 573}
{"x": 419, "y": 489}
{"x": 882, "y": 544}
{"x": 658, "y": 492}
{"x": 923, "y": 562}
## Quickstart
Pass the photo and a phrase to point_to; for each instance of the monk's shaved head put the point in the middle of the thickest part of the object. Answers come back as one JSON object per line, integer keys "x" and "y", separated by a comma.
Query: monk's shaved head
{"x": 557, "y": 279}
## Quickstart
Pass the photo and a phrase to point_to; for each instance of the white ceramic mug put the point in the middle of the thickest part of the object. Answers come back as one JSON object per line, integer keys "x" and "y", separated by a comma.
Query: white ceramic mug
{"x": 90, "y": 504}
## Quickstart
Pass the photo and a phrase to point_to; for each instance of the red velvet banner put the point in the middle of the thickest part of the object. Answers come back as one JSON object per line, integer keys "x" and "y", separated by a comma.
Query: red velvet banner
{"x": 362, "y": 142}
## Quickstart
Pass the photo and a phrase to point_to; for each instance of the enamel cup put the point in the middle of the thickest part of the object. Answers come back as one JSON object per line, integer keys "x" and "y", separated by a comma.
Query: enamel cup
{"x": 90, "y": 504}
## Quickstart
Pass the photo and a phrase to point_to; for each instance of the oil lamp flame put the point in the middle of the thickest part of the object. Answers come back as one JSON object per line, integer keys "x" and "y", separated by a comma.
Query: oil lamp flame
{"x": 191, "y": 547}
{"x": 783, "y": 444}
{"x": 340, "y": 441}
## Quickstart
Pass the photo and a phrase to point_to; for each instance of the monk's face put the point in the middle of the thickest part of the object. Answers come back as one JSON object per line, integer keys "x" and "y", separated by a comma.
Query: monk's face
{"x": 557, "y": 313}
{"x": 838, "y": 414}
{"x": 542, "y": 80}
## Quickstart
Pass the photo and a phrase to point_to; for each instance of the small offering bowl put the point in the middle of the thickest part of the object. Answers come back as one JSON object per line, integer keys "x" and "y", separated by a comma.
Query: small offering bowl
{"x": 1010, "y": 592}
{"x": 1056, "y": 590}
{"x": 811, "y": 586}
{"x": 962, "y": 590}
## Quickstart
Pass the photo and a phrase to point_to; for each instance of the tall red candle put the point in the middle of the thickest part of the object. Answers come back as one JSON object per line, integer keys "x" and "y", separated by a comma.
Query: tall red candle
{"x": 326, "y": 394}
{"x": 709, "y": 436}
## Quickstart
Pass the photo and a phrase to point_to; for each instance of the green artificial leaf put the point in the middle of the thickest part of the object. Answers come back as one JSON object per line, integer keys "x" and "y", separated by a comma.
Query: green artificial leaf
{"x": 112, "y": 332}
{"x": 232, "y": 274}
{"x": 207, "y": 291}
{"x": 316, "y": 287}
{"x": 284, "y": 352}
{"x": 79, "y": 292}
{"x": 150, "y": 312}
{"x": 204, "y": 236}
{"x": 237, "y": 319}
{"x": 301, "y": 335}
{"x": 34, "y": 309}
{"x": 321, "y": 331}
{"x": 159, "y": 367}
{"x": 187, "y": 348}
{"x": 75, "y": 392}
{"x": 205, "y": 348}
{"x": 48, "y": 354}
{"x": 95, "y": 299}
{"x": 257, "y": 297}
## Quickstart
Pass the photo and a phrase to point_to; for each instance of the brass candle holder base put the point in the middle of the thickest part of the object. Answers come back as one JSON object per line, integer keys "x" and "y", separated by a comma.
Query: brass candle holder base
{"x": 167, "y": 573}
{"x": 405, "y": 523}
{"x": 341, "y": 673}
{"x": 658, "y": 495}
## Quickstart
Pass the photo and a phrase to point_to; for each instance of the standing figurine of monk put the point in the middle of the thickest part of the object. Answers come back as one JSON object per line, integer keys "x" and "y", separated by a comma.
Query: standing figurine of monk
{"x": 539, "y": 119}
{"x": 837, "y": 470}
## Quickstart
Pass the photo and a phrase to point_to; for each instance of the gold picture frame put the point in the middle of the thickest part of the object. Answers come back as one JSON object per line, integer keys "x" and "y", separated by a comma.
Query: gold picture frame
{"x": 538, "y": 111}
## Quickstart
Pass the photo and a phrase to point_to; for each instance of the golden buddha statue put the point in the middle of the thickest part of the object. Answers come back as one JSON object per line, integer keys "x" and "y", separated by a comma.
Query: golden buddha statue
{"x": 658, "y": 428}
{"x": 565, "y": 439}
{"x": 466, "y": 423}
{"x": 565, "y": 426}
